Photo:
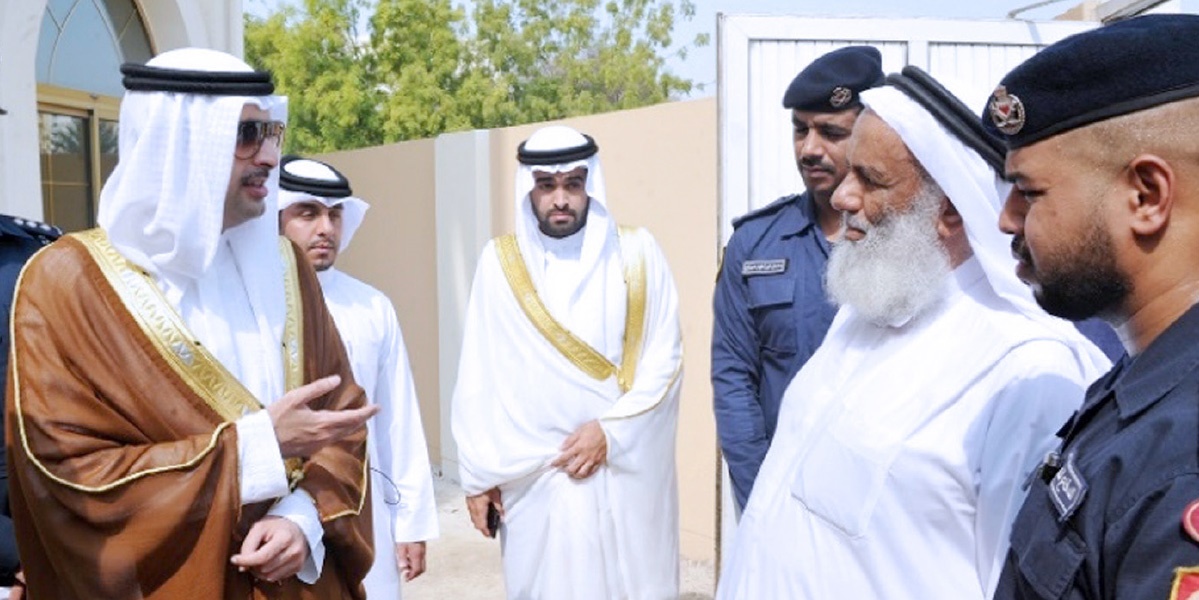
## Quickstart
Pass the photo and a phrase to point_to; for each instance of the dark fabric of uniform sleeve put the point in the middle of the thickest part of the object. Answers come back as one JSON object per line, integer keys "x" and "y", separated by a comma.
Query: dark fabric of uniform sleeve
{"x": 15, "y": 250}
{"x": 736, "y": 376}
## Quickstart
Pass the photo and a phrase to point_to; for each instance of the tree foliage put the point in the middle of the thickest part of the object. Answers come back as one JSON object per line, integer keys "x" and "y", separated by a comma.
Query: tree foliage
{"x": 365, "y": 72}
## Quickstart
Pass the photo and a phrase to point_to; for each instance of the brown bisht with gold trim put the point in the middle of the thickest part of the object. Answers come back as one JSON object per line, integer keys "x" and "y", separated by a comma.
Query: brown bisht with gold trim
{"x": 122, "y": 454}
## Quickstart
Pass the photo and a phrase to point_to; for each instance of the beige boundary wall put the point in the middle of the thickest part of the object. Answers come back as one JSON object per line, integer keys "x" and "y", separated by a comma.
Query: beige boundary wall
{"x": 435, "y": 203}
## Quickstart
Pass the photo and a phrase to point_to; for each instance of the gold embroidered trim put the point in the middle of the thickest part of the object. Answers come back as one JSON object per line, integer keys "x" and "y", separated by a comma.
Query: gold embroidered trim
{"x": 633, "y": 258}
{"x": 293, "y": 324}
{"x": 674, "y": 378}
{"x": 349, "y": 512}
{"x": 587, "y": 359}
{"x": 165, "y": 329}
{"x": 167, "y": 332}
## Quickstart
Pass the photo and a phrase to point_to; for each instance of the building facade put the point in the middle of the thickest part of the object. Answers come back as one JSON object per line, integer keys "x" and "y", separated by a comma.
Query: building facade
{"x": 59, "y": 82}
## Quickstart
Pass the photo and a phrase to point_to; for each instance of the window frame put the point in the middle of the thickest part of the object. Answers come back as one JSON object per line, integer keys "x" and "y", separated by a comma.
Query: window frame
{"x": 92, "y": 107}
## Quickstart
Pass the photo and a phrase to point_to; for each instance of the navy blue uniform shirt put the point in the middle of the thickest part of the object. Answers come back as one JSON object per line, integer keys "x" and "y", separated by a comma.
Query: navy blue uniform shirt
{"x": 1105, "y": 520}
{"x": 771, "y": 313}
{"x": 19, "y": 239}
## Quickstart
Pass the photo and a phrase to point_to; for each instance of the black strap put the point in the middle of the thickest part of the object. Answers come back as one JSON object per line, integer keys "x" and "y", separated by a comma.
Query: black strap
{"x": 143, "y": 78}
{"x": 949, "y": 111}
{"x": 556, "y": 156}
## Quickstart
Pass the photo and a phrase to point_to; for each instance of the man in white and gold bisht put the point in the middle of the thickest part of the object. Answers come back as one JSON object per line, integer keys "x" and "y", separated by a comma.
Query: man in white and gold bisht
{"x": 318, "y": 211}
{"x": 566, "y": 404}
{"x": 904, "y": 443}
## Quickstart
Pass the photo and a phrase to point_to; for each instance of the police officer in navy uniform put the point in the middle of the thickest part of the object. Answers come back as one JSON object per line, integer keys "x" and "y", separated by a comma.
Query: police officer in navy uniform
{"x": 19, "y": 239}
{"x": 770, "y": 307}
{"x": 1103, "y": 152}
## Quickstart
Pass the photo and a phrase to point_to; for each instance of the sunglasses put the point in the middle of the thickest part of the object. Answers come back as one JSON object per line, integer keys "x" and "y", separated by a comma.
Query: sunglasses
{"x": 251, "y": 134}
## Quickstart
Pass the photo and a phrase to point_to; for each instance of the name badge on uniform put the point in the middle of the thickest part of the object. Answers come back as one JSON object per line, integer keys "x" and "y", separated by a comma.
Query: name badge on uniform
{"x": 1067, "y": 489}
{"x": 772, "y": 266}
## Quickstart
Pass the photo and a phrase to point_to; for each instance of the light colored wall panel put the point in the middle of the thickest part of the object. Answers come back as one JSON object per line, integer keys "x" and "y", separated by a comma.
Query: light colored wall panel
{"x": 463, "y": 224}
{"x": 20, "y": 174}
{"x": 395, "y": 250}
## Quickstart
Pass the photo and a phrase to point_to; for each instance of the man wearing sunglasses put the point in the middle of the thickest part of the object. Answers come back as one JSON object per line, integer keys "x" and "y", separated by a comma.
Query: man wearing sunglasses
{"x": 182, "y": 420}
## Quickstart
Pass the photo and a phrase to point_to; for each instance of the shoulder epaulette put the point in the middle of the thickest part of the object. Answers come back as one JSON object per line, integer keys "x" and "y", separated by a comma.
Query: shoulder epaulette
{"x": 769, "y": 209}
{"x": 42, "y": 232}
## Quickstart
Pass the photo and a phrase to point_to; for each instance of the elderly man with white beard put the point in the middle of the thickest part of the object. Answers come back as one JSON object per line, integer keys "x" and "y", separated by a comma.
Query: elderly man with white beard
{"x": 904, "y": 443}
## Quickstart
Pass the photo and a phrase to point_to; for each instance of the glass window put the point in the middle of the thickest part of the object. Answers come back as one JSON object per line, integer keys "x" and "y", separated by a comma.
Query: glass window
{"x": 80, "y": 50}
{"x": 66, "y": 170}
{"x": 130, "y": 31}
{"x": 108, "y": 147}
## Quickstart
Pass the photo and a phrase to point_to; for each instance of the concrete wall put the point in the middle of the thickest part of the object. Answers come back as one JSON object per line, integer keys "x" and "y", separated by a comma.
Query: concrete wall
{"x": 435, "y": 203}
{"x": 395, "y": 251}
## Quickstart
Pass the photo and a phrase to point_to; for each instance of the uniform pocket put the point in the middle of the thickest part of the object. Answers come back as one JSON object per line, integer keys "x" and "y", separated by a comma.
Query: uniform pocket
{"x": 1048, "y": 554}
{"x": 770, "y": 302}
{"x": 843, "y": 474}
{"x": 770, "y": 290}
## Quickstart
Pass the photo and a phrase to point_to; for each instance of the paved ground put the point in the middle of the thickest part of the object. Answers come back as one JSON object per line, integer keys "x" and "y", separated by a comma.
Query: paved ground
{"x": 464, "y": 565}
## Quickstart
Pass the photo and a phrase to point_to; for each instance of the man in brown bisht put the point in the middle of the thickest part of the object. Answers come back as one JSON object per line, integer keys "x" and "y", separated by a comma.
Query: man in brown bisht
{"x": 143, "y": 461}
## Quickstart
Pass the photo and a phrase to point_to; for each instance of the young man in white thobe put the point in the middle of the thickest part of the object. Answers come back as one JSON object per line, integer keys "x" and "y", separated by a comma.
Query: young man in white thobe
{"x": 317, "y": 211}
{"x": 566, "y": 404}
{"x": 905, "y": 442}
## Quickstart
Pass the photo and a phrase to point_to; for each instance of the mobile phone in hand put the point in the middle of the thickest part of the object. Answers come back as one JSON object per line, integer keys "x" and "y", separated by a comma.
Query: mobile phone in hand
{"x": 493, "y": 520}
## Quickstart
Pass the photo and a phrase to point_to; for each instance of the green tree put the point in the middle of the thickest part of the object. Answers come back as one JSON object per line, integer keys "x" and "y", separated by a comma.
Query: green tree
{"x": 319, "y": 62}
{"x": 426, "y": 67}
{"x": 548, "y": 59}
{"x": 418, "y": 55}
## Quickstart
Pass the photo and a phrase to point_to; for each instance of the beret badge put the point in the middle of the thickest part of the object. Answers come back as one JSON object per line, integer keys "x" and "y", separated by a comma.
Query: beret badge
{"x": 840, "y": 97}
{"x": 1007, "y": 111}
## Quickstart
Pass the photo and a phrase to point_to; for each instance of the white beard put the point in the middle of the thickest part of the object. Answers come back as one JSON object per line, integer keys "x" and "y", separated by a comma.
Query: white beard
{"x": 898, "y": 270}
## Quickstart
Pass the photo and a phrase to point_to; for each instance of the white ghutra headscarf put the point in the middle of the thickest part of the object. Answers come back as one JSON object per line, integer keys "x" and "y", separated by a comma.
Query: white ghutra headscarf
{"x": 977, "y": 192}
{"x": 163, "y": 209}
{"x": 353, "y": 208}
{"x": 593, "y": 290}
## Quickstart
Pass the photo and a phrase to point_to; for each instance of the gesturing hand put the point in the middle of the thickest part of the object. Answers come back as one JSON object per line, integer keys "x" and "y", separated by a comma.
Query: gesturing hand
{"x": 584, "y": 451}
{"x": 302, "y": 431}
{"x": 274, "y": 549}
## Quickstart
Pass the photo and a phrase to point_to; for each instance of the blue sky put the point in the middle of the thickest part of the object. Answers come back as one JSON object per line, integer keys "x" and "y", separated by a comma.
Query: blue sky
{"x": 700, "y": 65}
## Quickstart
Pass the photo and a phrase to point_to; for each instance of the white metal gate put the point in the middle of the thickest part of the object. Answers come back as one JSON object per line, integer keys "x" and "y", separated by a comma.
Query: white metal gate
{"x": 759, "y": 55}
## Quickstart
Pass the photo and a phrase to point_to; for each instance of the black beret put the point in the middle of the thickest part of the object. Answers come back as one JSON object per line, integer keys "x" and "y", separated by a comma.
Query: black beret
{"x": 1118, "y": 69}
{"x": 833, "y": 82}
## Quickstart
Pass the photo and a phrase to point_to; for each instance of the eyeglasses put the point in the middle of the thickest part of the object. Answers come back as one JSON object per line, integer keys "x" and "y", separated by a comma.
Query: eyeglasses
{"x": 251, "y": 134}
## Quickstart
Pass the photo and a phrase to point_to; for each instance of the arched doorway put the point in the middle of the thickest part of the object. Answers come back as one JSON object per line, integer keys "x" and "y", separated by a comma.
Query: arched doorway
{"x": 81, "y": 46}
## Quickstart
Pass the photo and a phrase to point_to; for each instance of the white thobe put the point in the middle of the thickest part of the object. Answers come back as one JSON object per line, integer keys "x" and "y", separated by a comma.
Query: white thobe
{"x": 517, "y": 399}
{"x": 901, "y": 453}
{"x": 401, "y": 479}
{"x": 218, "y": 312}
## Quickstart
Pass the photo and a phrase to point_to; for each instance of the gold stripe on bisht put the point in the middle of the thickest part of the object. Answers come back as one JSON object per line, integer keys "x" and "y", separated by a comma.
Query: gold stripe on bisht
{"x": 579, "y": 353}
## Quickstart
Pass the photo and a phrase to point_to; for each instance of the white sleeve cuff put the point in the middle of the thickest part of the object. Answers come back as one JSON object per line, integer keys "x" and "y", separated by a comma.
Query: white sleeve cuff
{"x": 260, "y": 469}
{"x": 299, "y": 508}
